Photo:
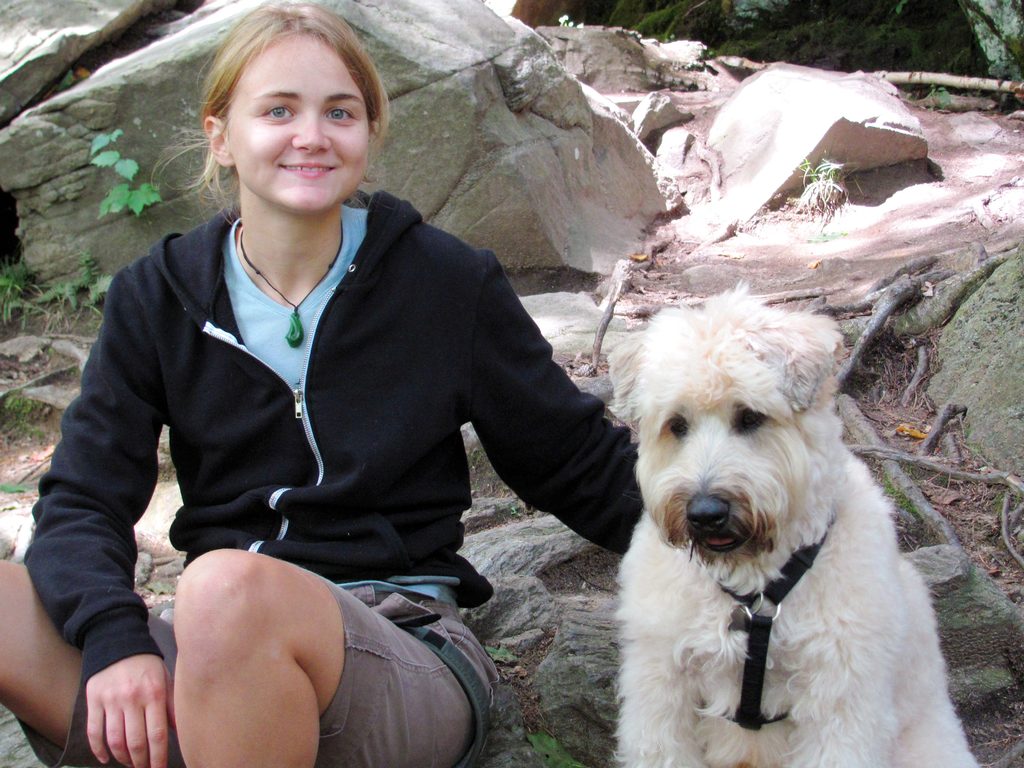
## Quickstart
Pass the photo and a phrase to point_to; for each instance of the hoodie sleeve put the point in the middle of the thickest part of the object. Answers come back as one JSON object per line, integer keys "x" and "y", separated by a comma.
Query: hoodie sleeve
{"x": 550, "y": 442}
{"x": 83, "y": 553}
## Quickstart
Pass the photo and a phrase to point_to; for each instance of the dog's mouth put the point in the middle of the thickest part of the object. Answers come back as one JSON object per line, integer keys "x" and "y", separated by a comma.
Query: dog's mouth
{"x": 722, "y": 544}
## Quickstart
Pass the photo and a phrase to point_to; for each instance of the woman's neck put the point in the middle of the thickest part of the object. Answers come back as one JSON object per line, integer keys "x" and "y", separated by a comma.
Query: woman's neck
{"x": 292, "y": 255}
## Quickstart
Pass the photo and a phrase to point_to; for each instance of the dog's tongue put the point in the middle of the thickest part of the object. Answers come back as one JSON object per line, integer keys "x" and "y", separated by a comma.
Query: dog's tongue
{"x": 717, "y": 541}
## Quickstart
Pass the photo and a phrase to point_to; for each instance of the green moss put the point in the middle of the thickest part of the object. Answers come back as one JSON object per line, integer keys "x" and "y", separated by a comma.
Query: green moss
{"x": 20, "y": 416}
{"x": 900, "y": 499}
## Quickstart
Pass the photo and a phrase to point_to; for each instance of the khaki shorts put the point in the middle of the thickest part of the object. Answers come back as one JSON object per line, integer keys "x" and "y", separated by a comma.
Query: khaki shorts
{"x": 397, "y": 705}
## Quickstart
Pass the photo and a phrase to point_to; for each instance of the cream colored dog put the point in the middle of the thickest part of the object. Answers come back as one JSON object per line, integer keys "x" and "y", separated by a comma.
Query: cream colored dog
{"x": 741, "y": 466}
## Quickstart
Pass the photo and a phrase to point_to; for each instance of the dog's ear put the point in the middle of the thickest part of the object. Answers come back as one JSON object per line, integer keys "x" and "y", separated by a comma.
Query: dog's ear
{"x": 804, "y": 347}
{"x": 624, "y": 369}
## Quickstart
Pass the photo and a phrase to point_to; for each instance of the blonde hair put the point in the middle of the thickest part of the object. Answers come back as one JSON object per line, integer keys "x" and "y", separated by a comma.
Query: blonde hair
{"x": 256, "y": 32}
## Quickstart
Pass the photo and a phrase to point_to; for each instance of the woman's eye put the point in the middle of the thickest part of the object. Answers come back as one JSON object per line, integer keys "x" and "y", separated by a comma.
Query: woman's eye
{"x": 339, "y": 114}
{"x": 278, "y": 113}
{"x": 748, "y": 420}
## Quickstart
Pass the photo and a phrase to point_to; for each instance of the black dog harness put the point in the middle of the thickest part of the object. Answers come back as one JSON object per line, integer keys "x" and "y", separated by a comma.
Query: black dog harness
{"x": 748, "y": 617}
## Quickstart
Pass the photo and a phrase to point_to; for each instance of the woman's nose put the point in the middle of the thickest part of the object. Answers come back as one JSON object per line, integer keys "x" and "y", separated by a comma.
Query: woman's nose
{"x": 309, "y": 134}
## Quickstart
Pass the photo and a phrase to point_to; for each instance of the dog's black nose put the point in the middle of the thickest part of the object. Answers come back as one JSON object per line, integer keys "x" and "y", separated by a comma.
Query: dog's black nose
{"x": 707, "y": 513}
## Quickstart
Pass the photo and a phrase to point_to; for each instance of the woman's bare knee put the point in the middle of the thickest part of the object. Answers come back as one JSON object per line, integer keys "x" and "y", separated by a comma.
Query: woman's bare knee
{"x": 40, "y": 673}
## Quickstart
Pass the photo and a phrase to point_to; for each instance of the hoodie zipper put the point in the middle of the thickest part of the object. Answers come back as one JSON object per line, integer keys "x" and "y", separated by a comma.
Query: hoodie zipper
{"x": 298, "y": 395}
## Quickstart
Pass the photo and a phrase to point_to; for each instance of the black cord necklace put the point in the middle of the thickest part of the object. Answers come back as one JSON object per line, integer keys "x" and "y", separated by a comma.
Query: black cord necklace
{"x": 295, "y": 333}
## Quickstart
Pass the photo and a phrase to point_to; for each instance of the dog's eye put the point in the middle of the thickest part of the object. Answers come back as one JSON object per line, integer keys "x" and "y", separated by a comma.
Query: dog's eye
{"x": 747, "y": 420}
{"x": 677, "y": 426}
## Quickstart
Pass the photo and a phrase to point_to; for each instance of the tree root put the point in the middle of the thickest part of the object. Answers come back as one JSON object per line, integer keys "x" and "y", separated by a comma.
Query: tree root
{"x": 894, "y": 297}
{"x": 997, "y": 477}
{"x": 949, "y": 410}
{"x": 1007, "y": 523}
{"x": 915, "y": 381}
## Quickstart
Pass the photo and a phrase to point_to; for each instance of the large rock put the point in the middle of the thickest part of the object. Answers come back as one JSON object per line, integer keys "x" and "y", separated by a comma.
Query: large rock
{"x": 981, "y": 356}
{"x": 491, "y": 139}
{"x": 999, "y": 29}
{"x": 41, "y": 41}
{"x": 787, "y": 114}
{"x": 613, "y": 60}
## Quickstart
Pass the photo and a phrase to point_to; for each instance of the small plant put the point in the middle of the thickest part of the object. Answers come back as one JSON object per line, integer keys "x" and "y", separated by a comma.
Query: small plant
{"x": 124, "y": 195}
{"x": 565, "y": 21}
{"x": 552, "y": 754}
{"x": 15, "y": 282}
{"x": 824, "y": 189}
{"x": 89, "y": 281}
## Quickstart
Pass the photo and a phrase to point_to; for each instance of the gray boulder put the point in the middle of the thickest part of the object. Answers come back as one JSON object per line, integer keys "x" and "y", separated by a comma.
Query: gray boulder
{"x": 981, "y": 355}
{"x": 43, "y": 40}
{"x": 786, "y": 114}
{"x": 614, "y": 60}
{"x": 491, "y": 140}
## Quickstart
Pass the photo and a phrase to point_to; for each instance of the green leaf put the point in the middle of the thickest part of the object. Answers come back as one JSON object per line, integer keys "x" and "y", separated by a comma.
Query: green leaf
{"x": 99, "y": 288}
{"x": 104, "y": 139}
{"x": 551, "y": 752}
{"x": 501, "y": 655}
{"x": 144, "y": 196}
{"x": 116, "y": 200}
{"x": 11, "y": 488}
{"x": 106, "y": 159}
{"x": 127, "y": 168}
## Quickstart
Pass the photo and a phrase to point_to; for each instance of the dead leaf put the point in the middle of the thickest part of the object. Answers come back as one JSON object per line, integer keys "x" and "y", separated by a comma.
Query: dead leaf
{"x": 638, "y": 257}
{"x": 908, "y": 431}
{"x": 814, "y": 264}
{"x": 944, "y": 496}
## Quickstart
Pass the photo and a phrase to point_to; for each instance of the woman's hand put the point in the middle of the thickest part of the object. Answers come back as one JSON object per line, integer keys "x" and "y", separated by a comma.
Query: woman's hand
{"x": 131, "y": 712}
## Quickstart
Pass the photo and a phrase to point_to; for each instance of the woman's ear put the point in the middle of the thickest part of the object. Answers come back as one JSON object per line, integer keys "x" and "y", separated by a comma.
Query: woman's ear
{"x": 216, "y": 134}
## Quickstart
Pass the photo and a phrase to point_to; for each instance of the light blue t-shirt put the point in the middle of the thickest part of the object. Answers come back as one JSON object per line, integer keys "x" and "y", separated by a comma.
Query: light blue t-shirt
{"x": 264, "y": 323}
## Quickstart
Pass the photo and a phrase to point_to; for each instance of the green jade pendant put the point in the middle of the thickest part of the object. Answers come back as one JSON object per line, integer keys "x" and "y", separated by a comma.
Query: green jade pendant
{"x": 295, "y": 333}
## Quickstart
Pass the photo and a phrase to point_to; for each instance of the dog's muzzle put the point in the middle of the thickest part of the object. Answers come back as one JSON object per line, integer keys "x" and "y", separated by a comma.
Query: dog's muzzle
{"x": 712, "y": 524}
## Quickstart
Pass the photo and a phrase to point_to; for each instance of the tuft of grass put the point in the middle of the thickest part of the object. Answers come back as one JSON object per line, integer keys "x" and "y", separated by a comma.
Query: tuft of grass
{"x": 825, "y": 191}
{"x": 20, "y": 296}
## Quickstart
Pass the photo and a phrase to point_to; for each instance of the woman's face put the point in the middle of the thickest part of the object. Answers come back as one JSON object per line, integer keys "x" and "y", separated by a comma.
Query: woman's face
{"x": 296, "y": 133}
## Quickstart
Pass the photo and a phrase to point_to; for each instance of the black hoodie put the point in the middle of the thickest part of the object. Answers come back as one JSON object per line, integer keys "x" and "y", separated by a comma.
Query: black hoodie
{"x": 361, "y": 473}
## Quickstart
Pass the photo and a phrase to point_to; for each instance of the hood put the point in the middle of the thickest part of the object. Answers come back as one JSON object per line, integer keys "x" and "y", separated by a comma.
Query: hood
{"x": 192, "y": 264}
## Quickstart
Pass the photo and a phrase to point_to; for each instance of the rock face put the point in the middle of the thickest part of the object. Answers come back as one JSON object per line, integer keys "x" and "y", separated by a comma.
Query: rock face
{"x": 491, "y": 139}
{"x": 787, "y": 114}
{"x": 42, "y": 40}
{"x": 981, "y": 354}
{"x": 999, "y": 28}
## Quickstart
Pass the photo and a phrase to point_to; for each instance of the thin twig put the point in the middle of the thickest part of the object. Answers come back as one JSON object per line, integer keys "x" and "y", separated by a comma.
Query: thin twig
{"x": 992, "y": 478}
{"x": 915, "y": 380}
{"x": 1004, "y": 527}
{"x": 893, "y": 298}
{"x": 949, "y": 410}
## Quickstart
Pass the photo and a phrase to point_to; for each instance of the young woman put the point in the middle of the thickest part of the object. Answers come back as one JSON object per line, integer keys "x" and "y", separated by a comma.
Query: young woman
{"x": 314, "y": 355}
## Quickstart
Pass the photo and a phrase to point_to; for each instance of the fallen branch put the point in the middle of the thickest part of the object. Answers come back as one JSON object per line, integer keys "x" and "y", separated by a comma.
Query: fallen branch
{"x": 894, "y": 297}
{"x": 44, "y": 378}
{"x": 912, "y": 267}
{"x": 954, "y": 81}
{"x": 949, "y": 410}
{"x": 786, "y": 296}
{"x": 915, "y": 380}
{"x": 1005, "y": 529}
{"x": 620, "y": 279}
{"x": 991, "y": 478}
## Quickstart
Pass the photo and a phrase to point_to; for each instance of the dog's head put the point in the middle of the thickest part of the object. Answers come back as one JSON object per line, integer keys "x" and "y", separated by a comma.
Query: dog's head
{"x": 733, "y": 408}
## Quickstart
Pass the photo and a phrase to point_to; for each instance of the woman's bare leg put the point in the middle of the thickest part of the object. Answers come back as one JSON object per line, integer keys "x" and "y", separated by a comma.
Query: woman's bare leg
{"x": 260, "y": 654}
{"x": 39, "y": 672}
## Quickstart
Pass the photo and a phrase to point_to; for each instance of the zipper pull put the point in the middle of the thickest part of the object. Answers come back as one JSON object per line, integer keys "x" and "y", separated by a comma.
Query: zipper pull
{"x": 298, "y": 403}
